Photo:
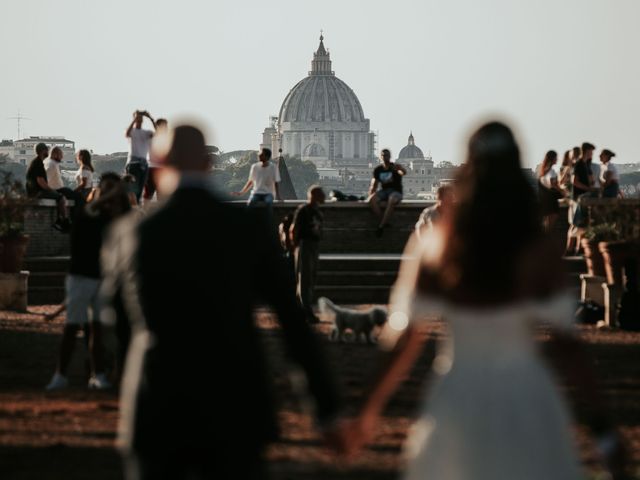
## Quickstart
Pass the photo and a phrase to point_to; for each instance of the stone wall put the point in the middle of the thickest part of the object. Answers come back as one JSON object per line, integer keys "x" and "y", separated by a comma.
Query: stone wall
{"x": 44, "y": 240}
{"x": 349, "y": 227}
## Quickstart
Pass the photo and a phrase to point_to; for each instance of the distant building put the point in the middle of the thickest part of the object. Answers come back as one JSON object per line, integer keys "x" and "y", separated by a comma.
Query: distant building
{"x": 421, "y": 177}
{"x": 24, "y": 150}
{"x": 321, "y": 120}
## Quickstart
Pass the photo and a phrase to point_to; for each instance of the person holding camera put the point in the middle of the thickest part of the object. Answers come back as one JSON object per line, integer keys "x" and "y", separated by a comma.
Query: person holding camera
{"x": 139, "y": 142}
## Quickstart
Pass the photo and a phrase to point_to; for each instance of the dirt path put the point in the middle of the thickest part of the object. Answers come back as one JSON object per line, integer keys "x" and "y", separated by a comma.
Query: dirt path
{"x": 69, "y": 435}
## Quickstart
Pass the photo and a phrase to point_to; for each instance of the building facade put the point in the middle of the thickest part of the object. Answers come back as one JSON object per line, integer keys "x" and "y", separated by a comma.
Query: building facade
{"x": 24, "y": 150}
{"x": 321, "y": 120}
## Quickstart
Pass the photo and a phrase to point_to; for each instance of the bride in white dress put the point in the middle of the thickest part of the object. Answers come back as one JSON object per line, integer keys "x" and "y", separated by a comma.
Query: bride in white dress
{"x": 494, "y": 412}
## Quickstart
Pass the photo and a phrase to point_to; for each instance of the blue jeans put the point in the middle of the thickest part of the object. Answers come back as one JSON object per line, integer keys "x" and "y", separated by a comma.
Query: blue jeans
{"x": 138, "y": 170}
{"x": 256, "y": 198}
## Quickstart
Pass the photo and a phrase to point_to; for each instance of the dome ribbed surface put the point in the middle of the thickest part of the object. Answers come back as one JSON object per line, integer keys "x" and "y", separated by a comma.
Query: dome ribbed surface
{"x": 411, "y": 151}
{"x": 321, "y": 98}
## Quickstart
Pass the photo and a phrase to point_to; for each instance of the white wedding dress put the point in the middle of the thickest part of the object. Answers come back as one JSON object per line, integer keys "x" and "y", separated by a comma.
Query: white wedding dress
{"x": 494, "y": 412}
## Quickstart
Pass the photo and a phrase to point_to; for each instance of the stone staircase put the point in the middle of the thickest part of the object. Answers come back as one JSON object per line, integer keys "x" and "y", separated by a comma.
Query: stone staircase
{"x": 46, "y": 279}
{"x": 355, "y": 266}
{"x": 344, "y": 278}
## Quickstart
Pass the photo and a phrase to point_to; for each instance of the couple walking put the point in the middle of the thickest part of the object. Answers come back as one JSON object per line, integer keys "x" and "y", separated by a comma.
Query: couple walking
{"x": 195, "y": 397}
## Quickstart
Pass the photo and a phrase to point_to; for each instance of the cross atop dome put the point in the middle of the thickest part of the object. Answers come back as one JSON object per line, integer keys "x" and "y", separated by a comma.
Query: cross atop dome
{"x": 321, "y": 63}
{"x": 411, "y": 140}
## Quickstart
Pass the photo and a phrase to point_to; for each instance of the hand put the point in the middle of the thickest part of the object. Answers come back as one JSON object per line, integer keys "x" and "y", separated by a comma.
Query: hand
{"x": 614, "y": 454}
{"x": 236, "y": 194}
{"x": 351, "y": 435}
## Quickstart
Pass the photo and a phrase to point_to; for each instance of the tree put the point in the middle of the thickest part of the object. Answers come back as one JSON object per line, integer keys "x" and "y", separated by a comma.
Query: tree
{"x": 18, "y": 170}
{"x": 232, "y": 177}
{"x": 303, "y": 174}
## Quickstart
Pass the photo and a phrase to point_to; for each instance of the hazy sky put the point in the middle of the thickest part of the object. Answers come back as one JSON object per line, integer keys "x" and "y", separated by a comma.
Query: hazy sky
{"x": 562, "y": 71}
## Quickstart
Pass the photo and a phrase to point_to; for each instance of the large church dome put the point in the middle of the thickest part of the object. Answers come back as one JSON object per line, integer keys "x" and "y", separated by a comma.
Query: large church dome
{"x": 321, "y": 96}
{"x": 411, "y": 150}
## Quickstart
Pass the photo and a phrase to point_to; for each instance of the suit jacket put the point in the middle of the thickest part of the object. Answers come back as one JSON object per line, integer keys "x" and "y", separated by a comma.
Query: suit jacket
{"x": 190, "y": 276}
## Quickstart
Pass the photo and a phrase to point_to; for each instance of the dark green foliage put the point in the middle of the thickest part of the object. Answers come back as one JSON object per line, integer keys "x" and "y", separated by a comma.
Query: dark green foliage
{"x": 232, "y": 177}
{"x": 18, "y": 170}
{"x": 109, "y": 164}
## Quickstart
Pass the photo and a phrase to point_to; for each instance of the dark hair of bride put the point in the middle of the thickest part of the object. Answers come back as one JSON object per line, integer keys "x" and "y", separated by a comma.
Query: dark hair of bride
{"x": 495, "y": 219}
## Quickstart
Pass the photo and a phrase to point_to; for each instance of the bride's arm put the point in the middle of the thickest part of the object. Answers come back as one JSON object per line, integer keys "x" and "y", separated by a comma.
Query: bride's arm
{"x": 405, "y": 344}
{"x": 403, "y": 356}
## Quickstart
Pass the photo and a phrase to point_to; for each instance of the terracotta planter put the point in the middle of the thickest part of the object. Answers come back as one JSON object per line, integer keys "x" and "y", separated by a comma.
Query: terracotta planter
{"x": 12, "y": 252}
{"x": 593, "y": 257}
{"x": 615, "y": 255}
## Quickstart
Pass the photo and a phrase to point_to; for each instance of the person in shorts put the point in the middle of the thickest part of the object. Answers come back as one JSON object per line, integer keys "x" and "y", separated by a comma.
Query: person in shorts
{"x": 388, "y": 177}
{"x": 84, "y": 279}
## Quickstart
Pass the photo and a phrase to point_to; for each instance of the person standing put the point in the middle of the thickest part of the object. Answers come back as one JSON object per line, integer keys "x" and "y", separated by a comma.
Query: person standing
{"x": 83, "y": 281}
{"x": 38, "y": 187}
{"x": 306, "y": 232}
{"x": 582, "y": 184}
{"x": 264, "y": 177}
{"x": 566, "y": 170}
{"x": 549, "y": 190}
{"x": 139, "y": 142}
{"x": 431, "y": 216}
{"x": 389, "y": 177}
{"x": 84, "y": 175}
{"x": 193, "y": 332}
{"x": 150, "y": 187}
{"x": 609, "y": 177}
{"x": 493, "y": 411}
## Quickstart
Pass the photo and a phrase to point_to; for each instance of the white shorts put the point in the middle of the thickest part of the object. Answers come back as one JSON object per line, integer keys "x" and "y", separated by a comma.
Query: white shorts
{"x": 82, "y": 296}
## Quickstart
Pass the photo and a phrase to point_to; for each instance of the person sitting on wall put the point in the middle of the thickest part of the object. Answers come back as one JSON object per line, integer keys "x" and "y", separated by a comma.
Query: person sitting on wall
{"x": 54, "y": 179}
{"x": 264, "y": 178}
{"x": 389, "y": 177}
{"x": 38, "y": 187}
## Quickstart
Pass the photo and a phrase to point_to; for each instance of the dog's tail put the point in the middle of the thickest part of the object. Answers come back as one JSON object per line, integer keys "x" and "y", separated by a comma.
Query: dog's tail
{"x": 326, "y": 306}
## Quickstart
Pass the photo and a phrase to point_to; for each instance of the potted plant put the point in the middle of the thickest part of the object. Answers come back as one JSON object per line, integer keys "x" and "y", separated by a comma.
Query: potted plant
{"x": 13, "y": 241}
{"x": 603, "y": 232}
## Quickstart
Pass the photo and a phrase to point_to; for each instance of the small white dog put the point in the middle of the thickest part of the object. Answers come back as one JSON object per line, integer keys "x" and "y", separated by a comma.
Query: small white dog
{"x": 358, "y": 321}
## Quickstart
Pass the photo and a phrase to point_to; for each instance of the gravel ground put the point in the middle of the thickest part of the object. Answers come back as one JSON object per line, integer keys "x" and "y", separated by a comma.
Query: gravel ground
{"x": 70, "y": 435}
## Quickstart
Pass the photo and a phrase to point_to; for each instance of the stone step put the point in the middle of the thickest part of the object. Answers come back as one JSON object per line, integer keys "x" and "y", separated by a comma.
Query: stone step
{"x": 574, "y": 264}
{"x": 46, "y": 264}
{"x": 356, "y": 277}
{"x": 47, "y": 279}
{"x": 364, "y": 240}
{"x": 45, "y": 295}
{"x": 359, "y": 262}
{"x": 351, "y": 294}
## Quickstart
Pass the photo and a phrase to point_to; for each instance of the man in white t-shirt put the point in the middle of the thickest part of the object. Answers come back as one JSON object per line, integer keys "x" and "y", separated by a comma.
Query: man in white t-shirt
{"x": 54, "y": 178}
{"x": 139, "y": 143}
{"x": 264, "y": 178}
{"x": 52, "y": 167}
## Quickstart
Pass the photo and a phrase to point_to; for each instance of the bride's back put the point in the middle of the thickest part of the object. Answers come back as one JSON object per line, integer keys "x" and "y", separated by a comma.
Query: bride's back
{"x": 490, "y": 250}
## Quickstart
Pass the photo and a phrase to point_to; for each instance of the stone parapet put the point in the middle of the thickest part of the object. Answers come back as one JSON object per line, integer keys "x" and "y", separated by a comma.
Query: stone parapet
{"x": 44, "y": 240}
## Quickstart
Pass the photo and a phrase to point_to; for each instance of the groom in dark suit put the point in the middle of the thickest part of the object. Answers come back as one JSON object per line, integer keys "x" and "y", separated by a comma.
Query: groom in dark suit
{"x": 196, "y": 397}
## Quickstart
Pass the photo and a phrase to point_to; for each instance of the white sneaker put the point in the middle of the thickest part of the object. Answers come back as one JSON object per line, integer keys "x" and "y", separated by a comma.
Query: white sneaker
{"x": 58, "y": 382}
{"x": 99, "y": 382}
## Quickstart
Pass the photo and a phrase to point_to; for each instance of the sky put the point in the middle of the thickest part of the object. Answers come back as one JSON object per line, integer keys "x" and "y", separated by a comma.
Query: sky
{"x": 559, "y": 72}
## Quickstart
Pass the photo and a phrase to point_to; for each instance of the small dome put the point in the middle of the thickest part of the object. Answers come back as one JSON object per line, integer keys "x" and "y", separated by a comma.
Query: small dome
{"x": 314, "y": 150}
{"x": 411, "y": 151}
